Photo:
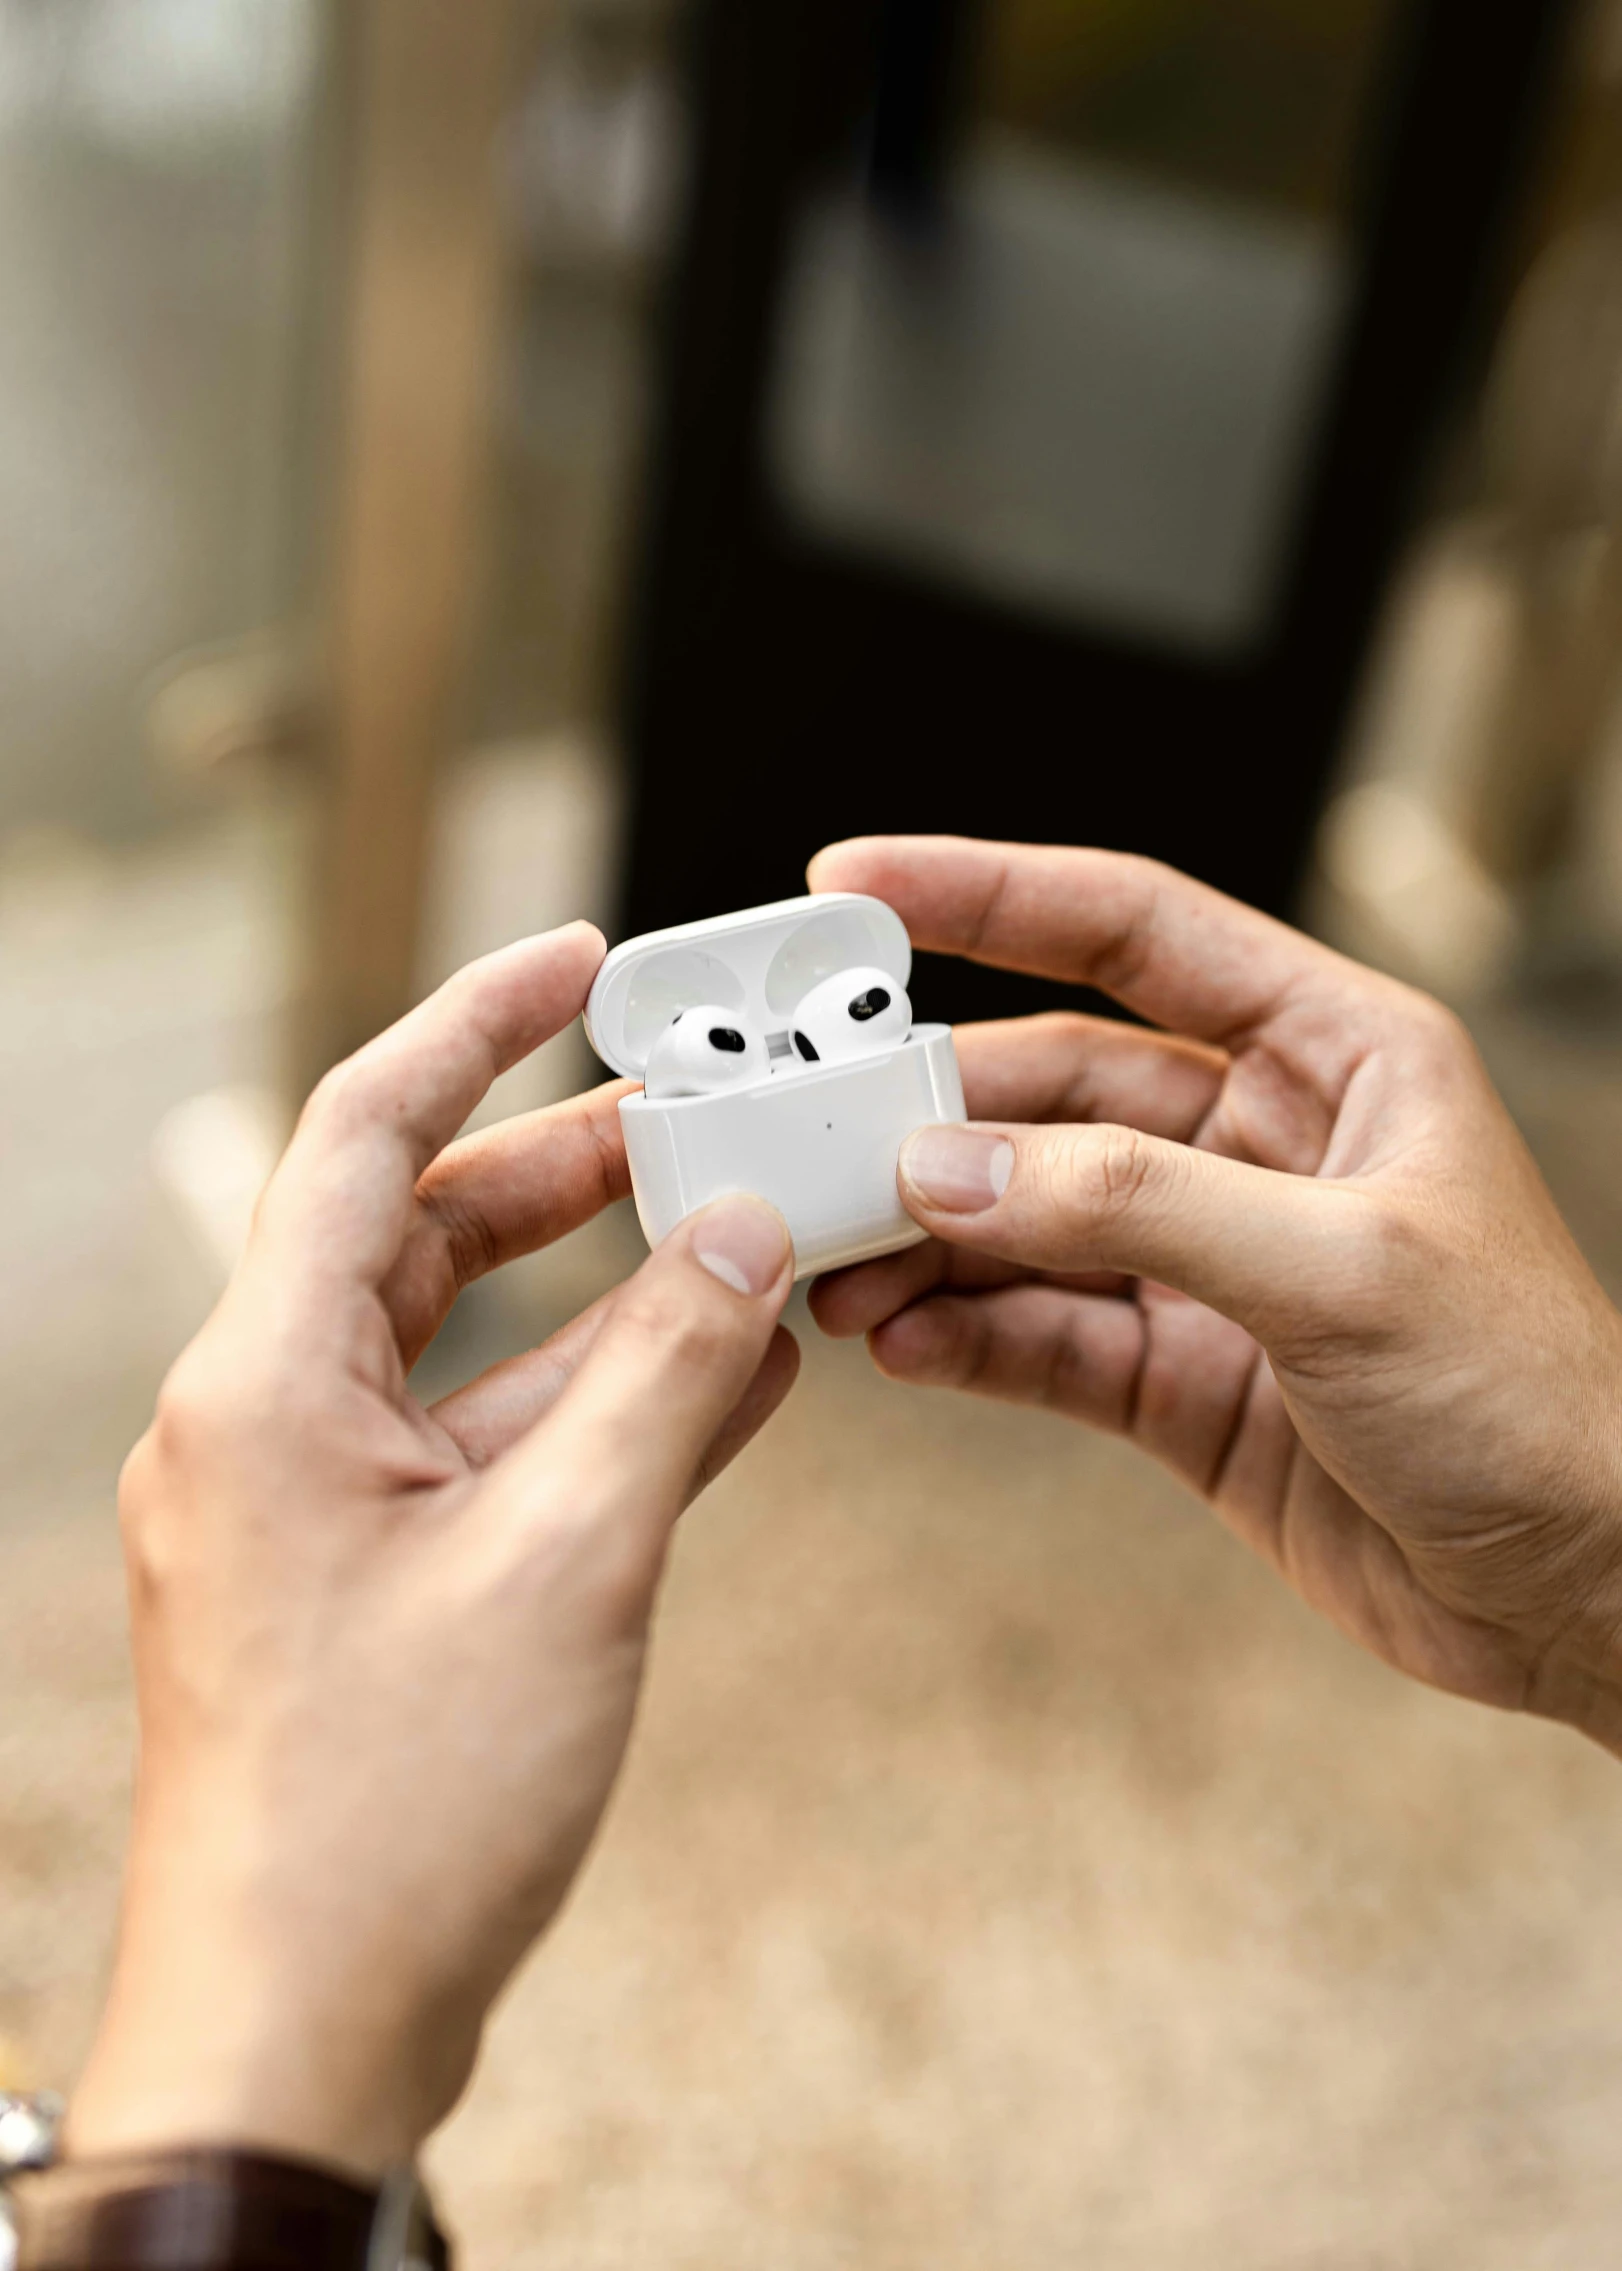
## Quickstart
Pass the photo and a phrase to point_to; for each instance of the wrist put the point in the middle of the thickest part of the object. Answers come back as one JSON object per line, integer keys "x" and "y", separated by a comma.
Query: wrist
{"x": 1575, "y": 1671}
{"x": 181, "y": 2090}
{"x": 256, "y": 2005}
{"x": 209, "y": 2047}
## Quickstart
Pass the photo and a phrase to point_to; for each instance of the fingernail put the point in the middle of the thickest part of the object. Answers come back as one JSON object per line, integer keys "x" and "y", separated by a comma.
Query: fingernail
{"x": 744, "y": 1242}
{"x": 958, "y": 1170}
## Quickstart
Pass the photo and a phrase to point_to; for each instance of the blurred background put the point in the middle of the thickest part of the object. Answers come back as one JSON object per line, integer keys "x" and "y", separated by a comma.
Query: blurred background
{"x": 469, "y": 463}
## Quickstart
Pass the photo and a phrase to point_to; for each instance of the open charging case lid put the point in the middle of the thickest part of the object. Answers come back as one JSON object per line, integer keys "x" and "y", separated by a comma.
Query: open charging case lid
{"x": 760, "y": 964}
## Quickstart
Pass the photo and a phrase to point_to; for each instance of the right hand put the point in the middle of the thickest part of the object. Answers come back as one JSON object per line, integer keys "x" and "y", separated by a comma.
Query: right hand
{"x": 1291, "y": 1244}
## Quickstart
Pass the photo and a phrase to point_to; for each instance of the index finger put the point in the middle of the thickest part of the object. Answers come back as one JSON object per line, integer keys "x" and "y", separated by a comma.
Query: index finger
{"x": 1174, "y": 950}
{"x": 341, "y": 1202}
{"x": 507, "y": 1191}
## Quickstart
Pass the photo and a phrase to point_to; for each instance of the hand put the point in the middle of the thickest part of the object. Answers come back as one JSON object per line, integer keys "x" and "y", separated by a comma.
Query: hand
{"x": 387, "y": 1657}
{"x": 1291, "y": 1244}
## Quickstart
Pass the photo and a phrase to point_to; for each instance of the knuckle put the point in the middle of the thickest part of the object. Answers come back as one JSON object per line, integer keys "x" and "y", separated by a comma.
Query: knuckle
{"x": 1139, "y": 883}
{"x": 185, "y": 1414}
{"x": 691, "y": 1325}
{"x": 343, "y": 1098}
{"x": 326, "y": 1099}
{"x": 697, "y": 1337}
{"x": 1437, "y": 1038}
{"x": 1061, "y": 1377}
{"x": 967, "y": 1351}
{"x": 1067, "y": 1028}
{"x": 469, "y": 1240}
{"x": 1440, "y": 1026}
{"x": 934, "y": 1344}
{"x": 147, "y": 1491}
{"x": 1378, "y": 1265}
{"x": 208, "y": 1399}
{"x": 1394, "y": 1250}
{"x": 137, "y": 1482}
{"x": 1108, "y": 1176}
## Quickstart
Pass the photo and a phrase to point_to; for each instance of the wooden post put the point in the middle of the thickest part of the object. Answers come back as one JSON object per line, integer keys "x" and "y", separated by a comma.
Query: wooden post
{"x": 423, "y": 85}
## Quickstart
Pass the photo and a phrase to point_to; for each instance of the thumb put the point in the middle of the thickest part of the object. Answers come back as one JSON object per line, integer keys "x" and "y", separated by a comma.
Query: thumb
{"x": 1274, "y": 1252}
{"x": 680, "y": 1346}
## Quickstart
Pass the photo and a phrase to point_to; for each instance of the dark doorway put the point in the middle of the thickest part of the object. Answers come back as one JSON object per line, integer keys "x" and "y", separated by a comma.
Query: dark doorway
{"x": 1037, "y": 421}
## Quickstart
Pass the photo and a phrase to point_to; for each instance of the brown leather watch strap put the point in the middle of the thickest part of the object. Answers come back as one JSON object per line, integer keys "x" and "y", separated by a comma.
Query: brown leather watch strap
{"x": 201, "y": 2211}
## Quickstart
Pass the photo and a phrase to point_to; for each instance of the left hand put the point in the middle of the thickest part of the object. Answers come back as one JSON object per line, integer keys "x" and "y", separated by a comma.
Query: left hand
{"x": 387, "y": 1657}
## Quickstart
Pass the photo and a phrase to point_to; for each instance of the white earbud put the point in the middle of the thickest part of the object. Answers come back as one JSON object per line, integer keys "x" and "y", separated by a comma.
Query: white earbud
{"x": 856, "y": 1013}
{"x": 702, "y": 1052}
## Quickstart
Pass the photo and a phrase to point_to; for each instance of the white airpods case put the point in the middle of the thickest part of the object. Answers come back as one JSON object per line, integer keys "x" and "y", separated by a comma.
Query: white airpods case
{"x": 820, "y": 1141}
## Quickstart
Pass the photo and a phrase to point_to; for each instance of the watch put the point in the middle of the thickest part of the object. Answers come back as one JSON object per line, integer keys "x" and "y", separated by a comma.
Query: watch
{"x": 29, "y": 2128}
{"x": 197, "y": 2209}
